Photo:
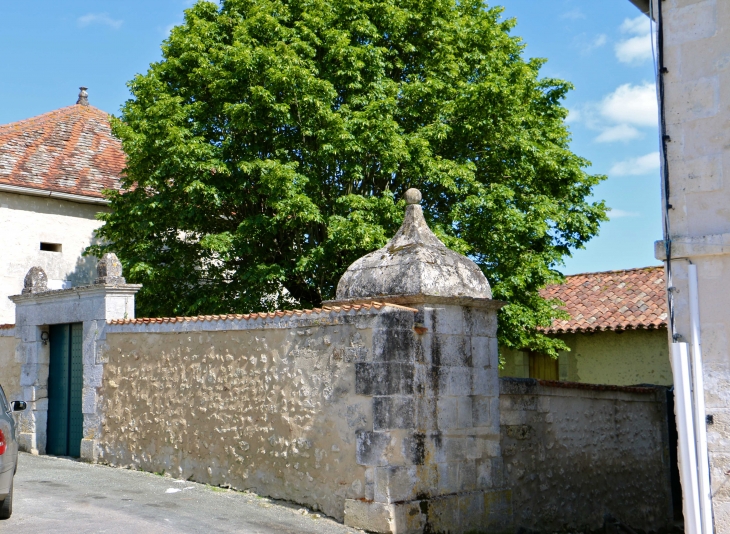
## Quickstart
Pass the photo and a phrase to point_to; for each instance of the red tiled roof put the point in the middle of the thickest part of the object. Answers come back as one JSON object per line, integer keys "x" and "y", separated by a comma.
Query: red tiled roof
{"x": 270, "y": 315}
{"x": 70, "y": 150}
{"x": 612, "y": 300}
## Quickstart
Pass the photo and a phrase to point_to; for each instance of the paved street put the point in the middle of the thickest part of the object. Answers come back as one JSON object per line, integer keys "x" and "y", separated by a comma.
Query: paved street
{"x": 64, "y": 496}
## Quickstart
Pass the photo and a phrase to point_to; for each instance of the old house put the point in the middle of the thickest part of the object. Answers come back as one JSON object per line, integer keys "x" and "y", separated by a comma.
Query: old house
{"x": 617, "y": 331}
{"x": 53, "y": 169}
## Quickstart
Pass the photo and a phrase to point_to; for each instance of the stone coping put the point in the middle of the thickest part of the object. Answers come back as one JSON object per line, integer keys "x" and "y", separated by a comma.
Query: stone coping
{"x": 51, "y": 294}
{"x": 472, "y": 302}
{"x": 325, "y": 310}
{"x": 521, "y": 386}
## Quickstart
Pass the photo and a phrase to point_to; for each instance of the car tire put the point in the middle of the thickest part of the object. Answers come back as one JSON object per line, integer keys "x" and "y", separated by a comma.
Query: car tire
{"x": 6, "y": 508}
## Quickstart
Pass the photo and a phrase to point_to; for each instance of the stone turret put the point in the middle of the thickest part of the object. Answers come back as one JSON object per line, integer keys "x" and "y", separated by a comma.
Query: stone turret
{"x": 432, "y": 449}
{"x": 414, "y": 262}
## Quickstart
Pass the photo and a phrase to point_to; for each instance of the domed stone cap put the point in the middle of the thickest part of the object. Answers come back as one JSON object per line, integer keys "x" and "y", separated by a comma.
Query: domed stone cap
{"x": 109, "y": 270}
{"x": 414, "y": 262}
{"x": 35, "y": 281}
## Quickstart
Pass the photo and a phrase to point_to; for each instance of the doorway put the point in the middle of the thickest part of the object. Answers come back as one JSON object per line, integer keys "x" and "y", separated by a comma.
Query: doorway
{"x": 65, "y": 382}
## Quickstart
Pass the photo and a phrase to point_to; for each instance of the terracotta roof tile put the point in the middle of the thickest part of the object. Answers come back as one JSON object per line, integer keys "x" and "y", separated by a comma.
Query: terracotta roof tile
{"x": 612, "y": 300}
{"x": 70, "y": 150}
{"x": 251, "y": 316}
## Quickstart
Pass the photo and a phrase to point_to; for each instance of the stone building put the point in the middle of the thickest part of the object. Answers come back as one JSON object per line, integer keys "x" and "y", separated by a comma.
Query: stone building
{"x": 617, "y": 331}
{"x": 693, "y": 69}
{"x": 53, "y": 169}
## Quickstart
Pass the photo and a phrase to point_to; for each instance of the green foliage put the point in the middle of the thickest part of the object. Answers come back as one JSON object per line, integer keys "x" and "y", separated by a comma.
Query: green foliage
{"x": 270, "y": 146}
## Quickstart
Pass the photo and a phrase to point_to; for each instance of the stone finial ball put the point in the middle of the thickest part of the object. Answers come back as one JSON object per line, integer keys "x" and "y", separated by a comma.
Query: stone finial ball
{"x": 413, "y": 196}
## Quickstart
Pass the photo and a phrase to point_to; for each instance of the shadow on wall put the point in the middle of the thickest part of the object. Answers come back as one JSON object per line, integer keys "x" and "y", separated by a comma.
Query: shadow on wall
{"x": 84, "y": 272}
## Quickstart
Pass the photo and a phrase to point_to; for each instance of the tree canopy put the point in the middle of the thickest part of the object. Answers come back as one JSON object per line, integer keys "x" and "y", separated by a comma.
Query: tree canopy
{"x": 270, "y": 147}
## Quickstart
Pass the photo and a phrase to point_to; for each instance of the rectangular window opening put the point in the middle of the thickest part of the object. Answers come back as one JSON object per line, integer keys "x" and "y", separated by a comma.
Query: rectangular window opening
{"x": 51, "y": 247}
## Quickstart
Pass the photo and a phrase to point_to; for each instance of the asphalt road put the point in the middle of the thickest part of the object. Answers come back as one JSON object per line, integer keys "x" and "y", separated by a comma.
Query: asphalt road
{"x": 66, "y": 496}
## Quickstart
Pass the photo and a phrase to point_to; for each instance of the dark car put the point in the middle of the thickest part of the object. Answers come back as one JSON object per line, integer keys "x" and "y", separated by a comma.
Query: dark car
{"x": 8, "y": 452}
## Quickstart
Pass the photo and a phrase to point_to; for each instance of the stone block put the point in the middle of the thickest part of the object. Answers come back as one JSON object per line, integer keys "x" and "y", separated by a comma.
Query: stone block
{"x": 690, "y": 100}
{"x": 88, "y": 400}
{"x": 480, "y": 322}
{"x": 443, "y": 513}
{"x": 447, "y": 413}
{"x": 484, "y": 473}
{"x": 394, "y": 345}
{"x": 393, "y": 412}
{"x": 455, "y": 381}
{"x": 450, "y": 350}
{"x": 448, "y": 478}
{"x": 471, "y": 511}
{"x": 467, "y": 476}
{"x": 395, "y": 483}
{"x": 484, "y": 352}
{"x": 93, "y": 375}
{"x": 482, "y": 411}
{"x": 512, "y": 417}
{"x": 447, "y": 320}
{"x": 368, "y": 516}
{"x": 384, "y": 378}
{"x": 690, "y": 23}
{"x": 89, "y": 450}
{"x": 414, "y": 448}
{"x": 408, "y": 518}
{"x": 464, "y": 412}
{"x": 485, "y": 381}
{"x": 372, "y": 447}
{"x": 450, "y": 449}
{"x": 29, "y": 374}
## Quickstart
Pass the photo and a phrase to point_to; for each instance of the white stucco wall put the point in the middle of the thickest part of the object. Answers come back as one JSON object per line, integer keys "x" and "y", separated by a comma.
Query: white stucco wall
{"x": 25, "y": 222}
{"x": 697, "y": 104}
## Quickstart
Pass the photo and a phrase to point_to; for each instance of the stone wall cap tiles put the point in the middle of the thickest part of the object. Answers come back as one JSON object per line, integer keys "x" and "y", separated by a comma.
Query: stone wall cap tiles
{"x": 420, "y": 298}
{"x": 325, "y": 310}
{"x": 611, "y": 300}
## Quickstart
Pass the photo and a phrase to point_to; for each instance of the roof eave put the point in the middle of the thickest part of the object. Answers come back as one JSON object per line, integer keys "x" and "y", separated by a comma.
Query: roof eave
{"x": 83, "y": 199}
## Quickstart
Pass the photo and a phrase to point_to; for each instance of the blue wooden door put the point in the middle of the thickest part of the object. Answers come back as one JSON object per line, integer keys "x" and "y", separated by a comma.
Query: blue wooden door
{"x": 65, "y": 384}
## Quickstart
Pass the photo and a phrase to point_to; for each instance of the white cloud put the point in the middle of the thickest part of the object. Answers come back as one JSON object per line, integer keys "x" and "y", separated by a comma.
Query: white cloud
{"x": 636, "y": 49}
{"x": 620, "y": 132}
{"x": 636, "y": 26}
{"x": 617, "y": 214}
{"x": 99, "y": 18}
{"x": 573, "y": 14}
{"x": 600, "y": 40}
{"x": 634, "y": 105}
{"x": 636, "y": 166}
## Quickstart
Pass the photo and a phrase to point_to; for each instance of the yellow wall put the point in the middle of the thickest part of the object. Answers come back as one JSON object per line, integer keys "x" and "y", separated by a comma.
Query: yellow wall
{"x": 622, "y": 359}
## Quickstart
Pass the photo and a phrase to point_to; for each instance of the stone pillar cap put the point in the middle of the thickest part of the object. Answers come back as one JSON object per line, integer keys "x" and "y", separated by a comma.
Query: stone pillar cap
{"x": 35, "y": 281}
{"x": 413, "y": 262}
{"x": 109, "y": 270}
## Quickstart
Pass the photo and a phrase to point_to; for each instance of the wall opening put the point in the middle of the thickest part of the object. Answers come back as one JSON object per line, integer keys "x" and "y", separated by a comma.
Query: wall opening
{"x": 51, "y": 247}
{"x": 65, "y": 383}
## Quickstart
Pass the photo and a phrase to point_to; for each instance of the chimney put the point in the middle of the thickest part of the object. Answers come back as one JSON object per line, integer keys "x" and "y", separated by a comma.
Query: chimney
{"x": 83, "y": 97}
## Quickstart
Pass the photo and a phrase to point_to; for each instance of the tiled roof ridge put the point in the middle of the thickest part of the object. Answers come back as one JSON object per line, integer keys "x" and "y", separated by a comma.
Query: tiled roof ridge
{"x": 263, "y": 315}
{"x": 632, "y": 269}
{"x": 49, "y": 115}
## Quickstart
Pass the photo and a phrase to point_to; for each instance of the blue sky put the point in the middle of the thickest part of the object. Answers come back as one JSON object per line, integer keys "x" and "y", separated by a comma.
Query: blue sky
{"x": 50, "y": 48}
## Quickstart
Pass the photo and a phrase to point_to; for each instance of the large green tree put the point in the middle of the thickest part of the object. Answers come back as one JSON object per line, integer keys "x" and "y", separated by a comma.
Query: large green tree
{"x": 271, "y": 145}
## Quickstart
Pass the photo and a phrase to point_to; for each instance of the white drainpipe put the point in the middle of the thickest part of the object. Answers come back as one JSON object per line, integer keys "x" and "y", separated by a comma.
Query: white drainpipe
{"x": 698, "y": 386}
{"x": 685, "y": 430}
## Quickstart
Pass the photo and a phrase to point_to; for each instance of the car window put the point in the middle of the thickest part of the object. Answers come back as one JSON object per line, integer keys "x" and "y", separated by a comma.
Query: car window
{"x": 3, "y": 401}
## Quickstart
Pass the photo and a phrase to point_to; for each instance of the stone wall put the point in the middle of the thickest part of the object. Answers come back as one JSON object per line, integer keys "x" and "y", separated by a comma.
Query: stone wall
{"x": 29, "y": 220}
{"x": 382, "y": 415}
{"x": 574, "y": 453}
